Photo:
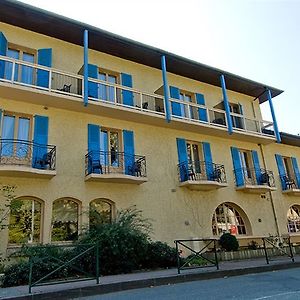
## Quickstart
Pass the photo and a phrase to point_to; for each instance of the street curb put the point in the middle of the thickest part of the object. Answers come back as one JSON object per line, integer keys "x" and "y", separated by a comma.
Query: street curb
{"x": 151, "y": 282}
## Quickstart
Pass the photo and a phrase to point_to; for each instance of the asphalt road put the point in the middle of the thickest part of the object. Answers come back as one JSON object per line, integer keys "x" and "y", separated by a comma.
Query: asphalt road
{"x": 283, "y": 285}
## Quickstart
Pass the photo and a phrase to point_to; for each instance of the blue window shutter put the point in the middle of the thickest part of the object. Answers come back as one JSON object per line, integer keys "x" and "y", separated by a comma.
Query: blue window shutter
{"x": 3, "y": 49}
{"x": 256, "y": 166}
{"x": 44, "y": 59}
{"x": 40, "y": 140}
{"x": 208, "y": 160}
{"x": 128, "y": 141}
{"x": 92, "y": 86}
{"x": 127, "y": 95}
{"x": 93, "y": 147}
{"x": 239, "y": 178}
{"x": 176, "y": 107}
{"x": 182, "y": 159}
{"x": 281, "y": 170}
{"x": 201, "y": 111}
{"x": 296, "y": 170}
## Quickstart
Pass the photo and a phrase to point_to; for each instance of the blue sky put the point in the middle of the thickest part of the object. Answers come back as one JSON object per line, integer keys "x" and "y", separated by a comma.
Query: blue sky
{"x": 258, "y": 40}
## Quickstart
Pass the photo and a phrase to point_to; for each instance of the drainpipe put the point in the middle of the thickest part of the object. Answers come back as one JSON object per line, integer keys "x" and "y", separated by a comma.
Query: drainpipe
{"x": 166, "y": 88}
{"x": 270, "y": 193}
{"x": 85, "y": 67}
{"x": 226, "y": 105}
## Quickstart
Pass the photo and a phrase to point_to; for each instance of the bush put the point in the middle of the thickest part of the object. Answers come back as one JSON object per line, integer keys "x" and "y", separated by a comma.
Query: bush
{"x": 124, "y": 246}
{"x": 229, "y": 242}
{"x": 160, "y": 255}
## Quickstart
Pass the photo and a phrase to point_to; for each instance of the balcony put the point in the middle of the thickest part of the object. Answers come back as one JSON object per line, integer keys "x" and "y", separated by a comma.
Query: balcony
{"x": 290, "y": 185}
{"x": 27, "y": 159}
{"x": 254, "y": 181}
{"x": 201, "y": 175}
{"x": 65, "y": 90}
{"x": 115, "y": 167}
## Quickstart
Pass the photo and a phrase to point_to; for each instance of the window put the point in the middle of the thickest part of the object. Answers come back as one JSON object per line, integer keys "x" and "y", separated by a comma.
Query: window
{"x": 22, "y": 73}
{"x": 195, "y": 156}
{"x": 15, "y": 134}
{"x": 25, "y": 221}
{"x": 246, "y": 163}
{"x": 110, "y": 146}
{"x": 293, "y": 218}
{"x": 186, "y": 111}
{"x": 107, "y": 92}
{"x": 100, "y": 212}
{"x": 287, "y": 161}
{"x": 64, "y": 220}
{"x": 226, "y": 218}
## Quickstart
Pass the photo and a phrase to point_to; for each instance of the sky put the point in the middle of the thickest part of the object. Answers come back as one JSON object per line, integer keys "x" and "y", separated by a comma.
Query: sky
{"x": 256, "y": 39}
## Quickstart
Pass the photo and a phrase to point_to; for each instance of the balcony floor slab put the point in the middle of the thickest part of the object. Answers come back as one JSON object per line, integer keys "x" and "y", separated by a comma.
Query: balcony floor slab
{"x": 293, "y": 192}
{"x": 116, "y": 178}
{"x": 255, "y": 189}
{"x": 25, "y": 171}
{"x": 203, "y": 185}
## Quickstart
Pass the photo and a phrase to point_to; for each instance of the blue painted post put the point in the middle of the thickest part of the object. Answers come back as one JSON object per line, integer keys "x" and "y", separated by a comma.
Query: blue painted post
{"x": 226, "y": 104}
{"x": 85, "y": 67}
{"x": 278, "y": 138}
{"x": 166, "y": 88}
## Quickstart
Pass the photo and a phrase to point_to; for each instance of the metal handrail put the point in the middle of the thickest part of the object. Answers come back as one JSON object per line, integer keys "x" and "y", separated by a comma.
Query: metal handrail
{"x": 196, "y": 254}
{"x": 114, "y": 162}
{"x": 200, "y": 171}
{"x": 27, "y": 153}
{"x": 252, "y": 176}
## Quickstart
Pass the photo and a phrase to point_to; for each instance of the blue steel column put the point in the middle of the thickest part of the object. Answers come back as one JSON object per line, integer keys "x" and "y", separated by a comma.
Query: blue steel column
{"x": 278, "y": 138}
{"x": 85, "y": 67}
{"x": 226, "y": 104}
{"x": 166, "y": 88}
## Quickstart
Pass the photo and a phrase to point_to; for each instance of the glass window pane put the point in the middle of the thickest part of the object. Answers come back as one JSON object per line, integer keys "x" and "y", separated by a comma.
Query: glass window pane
{"x": 101, "y": 87}
{"x": 27, "y": 72}
{"x": 8, "y": 65}
{"x": 8, "y": 128}
{"x": 104, "y": 147}
{"x": 100, "y": 212}
{"x": 111, "y": 90}
{"x": 23, "y": 135}
{"x": 64, "y": 220}
{"x": 114, "y": 148}
{"x": 25, "y": 221}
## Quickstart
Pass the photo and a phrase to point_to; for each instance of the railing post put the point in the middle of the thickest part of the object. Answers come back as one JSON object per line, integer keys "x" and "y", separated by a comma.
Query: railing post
{"x": 166, "y": 88}
{"x": 97, "y": 263}
{"x": 216, "y": 255}
{"x": 226, "y": 104}
{"x": 13, "y": 71}
{"x": 277, "y": 134}
{"x": 50, "y": 81}
{"x": 178, "y": 258}
{"x": 265, "y": 250}
{"x": 30, "y": 274}
{"x": 85, "y": 67}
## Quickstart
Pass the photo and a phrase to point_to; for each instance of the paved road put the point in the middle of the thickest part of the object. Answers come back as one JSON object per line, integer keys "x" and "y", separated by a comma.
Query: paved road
{"x": 283, "y": 285}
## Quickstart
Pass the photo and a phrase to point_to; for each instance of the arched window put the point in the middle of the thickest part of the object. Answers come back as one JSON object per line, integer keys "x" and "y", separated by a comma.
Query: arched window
{"x": 25, "y": 221}
{"x": 226, "y": 218}
{"x": 100, "y": 212}
{"x": 64, "y": 220}
{"x": 293, "y": 218}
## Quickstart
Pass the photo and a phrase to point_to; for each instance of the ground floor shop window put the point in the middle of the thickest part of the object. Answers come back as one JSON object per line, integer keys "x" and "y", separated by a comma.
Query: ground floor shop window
{"x": 100, "y": 212}
{"x": 293, "y": 218}
{"x": 227, "y": 218}
{"x": 25, "y": 221}
{"x": 64, "y": 220}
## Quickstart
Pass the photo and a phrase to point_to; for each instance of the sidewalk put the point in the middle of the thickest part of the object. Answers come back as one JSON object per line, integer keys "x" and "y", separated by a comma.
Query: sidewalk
{"x": 115, "y": 283}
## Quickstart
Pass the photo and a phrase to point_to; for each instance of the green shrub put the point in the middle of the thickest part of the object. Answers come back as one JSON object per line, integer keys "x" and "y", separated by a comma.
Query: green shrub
{"x": 229, "y": 242}
{"x": 160, "y": 255}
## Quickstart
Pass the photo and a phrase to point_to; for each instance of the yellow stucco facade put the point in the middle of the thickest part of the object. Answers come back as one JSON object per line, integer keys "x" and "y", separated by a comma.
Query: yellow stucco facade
{"x": 176, "y": 212}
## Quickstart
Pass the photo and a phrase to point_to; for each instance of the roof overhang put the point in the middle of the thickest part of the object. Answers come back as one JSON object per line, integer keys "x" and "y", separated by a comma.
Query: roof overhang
{"x": 50, "y": 24}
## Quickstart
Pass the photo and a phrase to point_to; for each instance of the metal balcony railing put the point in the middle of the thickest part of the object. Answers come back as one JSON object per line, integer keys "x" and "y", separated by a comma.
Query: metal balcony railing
{"x": 201, "y": 171}
{"x": 289, "y": 182}
{"x": 255, "y": 177}
{"x": 60, "y": 82}
{"x": 113, "y": 162}
{"x": 27, "y": 153}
